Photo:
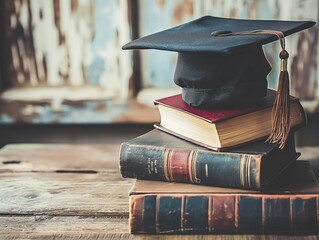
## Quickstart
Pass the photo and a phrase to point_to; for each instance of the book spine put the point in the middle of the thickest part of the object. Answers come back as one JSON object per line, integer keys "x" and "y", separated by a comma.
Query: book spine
{"x": 190, "y": 166}
{"x": 220, "y": 213}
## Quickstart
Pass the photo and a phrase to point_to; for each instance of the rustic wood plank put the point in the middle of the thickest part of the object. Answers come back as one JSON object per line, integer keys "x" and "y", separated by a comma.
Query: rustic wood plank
{"x": 58, "y": 157}
{"x": 64, "y": 194}
{"x": 64, "y": 224}
{"x": 101, "y": 236}
{"x": 67, "y": 236}
{"x": 62, "y": 201}
{"x": 95, "y": 157}
{"x": 40, "y": 227}
{"x": 66, "y": 198}
{"x": 37, "y": 227}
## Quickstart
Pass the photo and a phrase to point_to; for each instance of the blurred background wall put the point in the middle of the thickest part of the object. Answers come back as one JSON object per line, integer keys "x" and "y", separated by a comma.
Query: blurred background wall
{"x": 64, "y": 77}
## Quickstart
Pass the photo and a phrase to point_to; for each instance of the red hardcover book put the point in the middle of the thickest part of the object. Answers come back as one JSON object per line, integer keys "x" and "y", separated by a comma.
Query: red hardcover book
{"x": 220, "y": 129}
{"x": 289, "y": 206}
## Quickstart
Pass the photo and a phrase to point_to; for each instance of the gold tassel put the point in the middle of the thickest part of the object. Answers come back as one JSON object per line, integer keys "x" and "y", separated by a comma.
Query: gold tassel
{"x": 281, "y": 109}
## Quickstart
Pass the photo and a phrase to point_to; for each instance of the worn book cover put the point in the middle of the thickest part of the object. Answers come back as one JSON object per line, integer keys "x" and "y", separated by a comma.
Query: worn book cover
{"x": 288, "y": 206}
{"x": 160, "y": 156}
{"x": 221, "y": 129}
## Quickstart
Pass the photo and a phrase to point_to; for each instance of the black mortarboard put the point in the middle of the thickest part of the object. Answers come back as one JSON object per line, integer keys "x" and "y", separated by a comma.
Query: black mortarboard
{"x": 221, "y": 62}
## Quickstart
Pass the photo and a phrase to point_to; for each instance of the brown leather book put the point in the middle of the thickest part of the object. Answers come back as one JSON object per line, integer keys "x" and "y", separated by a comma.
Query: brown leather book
{"x": 288, "y": 206}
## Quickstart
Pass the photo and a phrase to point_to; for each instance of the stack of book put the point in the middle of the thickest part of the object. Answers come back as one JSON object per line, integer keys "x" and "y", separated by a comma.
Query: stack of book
{"x": 211, "y": 171}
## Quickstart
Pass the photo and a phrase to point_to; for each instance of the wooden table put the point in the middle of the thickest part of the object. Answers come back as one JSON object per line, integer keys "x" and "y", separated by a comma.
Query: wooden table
{"x": 72, "y": 192}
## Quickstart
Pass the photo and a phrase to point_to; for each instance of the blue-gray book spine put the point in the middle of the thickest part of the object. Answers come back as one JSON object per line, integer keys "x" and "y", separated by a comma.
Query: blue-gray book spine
{"x": 159, "y": 156}
{"x": 224, "y": 213}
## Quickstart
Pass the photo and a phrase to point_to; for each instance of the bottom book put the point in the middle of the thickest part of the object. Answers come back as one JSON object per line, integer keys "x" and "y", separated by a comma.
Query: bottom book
{"x": 288, "y": 206}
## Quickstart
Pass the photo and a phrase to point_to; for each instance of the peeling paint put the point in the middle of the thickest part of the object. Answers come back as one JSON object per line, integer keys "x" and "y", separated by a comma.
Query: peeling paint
{"x": 303, "y": 49}
{"x": 69, "y": 43}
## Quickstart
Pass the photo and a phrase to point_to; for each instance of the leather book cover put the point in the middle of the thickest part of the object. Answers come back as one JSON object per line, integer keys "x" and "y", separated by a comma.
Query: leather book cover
{"x": 160, "y": 156}
{"x": 298, "y": 179}
{"x": 289, "y": 206}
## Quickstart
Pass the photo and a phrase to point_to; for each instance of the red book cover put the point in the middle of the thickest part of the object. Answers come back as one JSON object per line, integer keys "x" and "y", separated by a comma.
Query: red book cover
{"x": 217, "y": 115}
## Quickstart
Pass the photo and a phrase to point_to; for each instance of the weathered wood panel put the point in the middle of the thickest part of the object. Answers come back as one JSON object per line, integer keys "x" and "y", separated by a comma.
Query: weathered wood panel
{"x": 76, "y": 235}
{"x": 68, "y": 42}
{"x": 58, "y": 157}
{"x": 303, "y": 49}
{"x": 66, "y": 200}
{"x": 64, "y": 194}
{"x": 62, "y": 224}
{"x": 100, "y": 234}
{"x": 40, "y": 203}
{"x": 78, "y": 181}
{"x": 81, "y": 157}
{"x": 158, "y": 66}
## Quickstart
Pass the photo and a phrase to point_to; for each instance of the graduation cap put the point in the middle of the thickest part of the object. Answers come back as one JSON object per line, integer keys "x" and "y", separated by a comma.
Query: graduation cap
{"x": 221, "y": 63}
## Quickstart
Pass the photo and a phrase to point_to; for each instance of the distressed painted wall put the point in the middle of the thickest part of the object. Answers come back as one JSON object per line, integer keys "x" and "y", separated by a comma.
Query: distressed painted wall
{"x": 303, "y": 49}
{"x": 156, "y": 15}
{"x": 70, "y": 52}
{"x": 69, "y": 43}
{"x": 158, "y": 66}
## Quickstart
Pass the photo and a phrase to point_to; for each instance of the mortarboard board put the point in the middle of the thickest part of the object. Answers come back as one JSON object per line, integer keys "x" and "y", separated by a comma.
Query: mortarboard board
{"x": 221, "y": 63}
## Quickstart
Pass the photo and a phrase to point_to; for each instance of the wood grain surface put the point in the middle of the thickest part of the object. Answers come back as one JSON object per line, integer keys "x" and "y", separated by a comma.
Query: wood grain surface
{"x": 55, "y": 157}
{"x": 66, "y": 191}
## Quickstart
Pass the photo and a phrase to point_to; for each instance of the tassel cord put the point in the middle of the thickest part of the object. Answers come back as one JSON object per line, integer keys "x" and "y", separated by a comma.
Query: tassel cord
{"x": 280, "y": 116}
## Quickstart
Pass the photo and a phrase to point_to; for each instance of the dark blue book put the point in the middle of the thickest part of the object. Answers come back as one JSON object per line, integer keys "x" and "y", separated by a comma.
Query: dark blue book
{"x": 160, "y": 156}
